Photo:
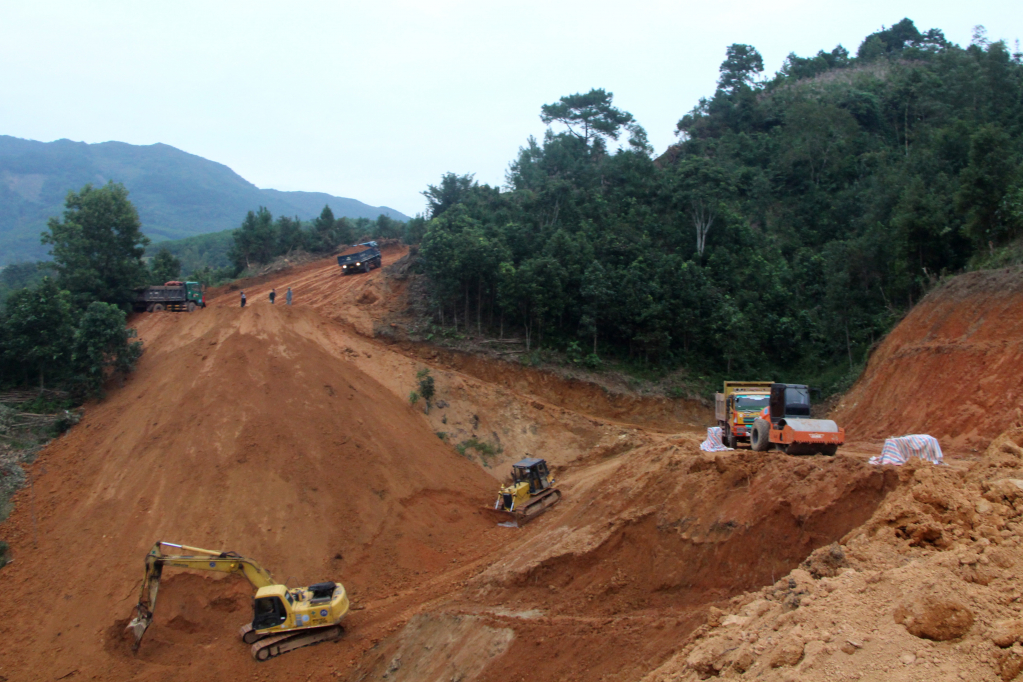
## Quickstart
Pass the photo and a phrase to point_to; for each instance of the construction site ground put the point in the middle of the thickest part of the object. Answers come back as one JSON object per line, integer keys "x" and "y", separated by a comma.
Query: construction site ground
{"x": 285, "y": 433}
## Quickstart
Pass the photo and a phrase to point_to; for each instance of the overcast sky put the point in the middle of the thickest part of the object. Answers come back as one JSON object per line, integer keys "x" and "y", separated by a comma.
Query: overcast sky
{"x": 375, "y": 100}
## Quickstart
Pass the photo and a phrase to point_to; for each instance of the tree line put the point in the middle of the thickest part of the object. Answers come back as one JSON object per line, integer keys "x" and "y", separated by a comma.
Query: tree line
{"x": 216, "y": 258}
{"x": 793, "y": 223}
{"x": 66, "y": 326}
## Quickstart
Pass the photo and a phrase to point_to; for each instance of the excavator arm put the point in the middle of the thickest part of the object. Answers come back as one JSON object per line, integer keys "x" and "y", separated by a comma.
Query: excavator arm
{"x": 193, "y": 558}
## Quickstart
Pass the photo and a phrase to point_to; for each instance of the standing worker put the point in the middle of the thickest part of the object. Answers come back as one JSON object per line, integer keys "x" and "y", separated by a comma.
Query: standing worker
{"x": 273, "y": 295}
{"x": 288, "y": 296}
{"x": 243, "y": 298}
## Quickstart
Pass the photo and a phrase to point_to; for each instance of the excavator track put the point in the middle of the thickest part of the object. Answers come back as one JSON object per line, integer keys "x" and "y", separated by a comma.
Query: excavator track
{"x": 248, "y": 635}
{"x": 268, "y": 647}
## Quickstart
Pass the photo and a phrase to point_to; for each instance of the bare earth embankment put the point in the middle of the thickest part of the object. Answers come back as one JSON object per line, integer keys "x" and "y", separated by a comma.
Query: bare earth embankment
{"x": 285, "y": 433}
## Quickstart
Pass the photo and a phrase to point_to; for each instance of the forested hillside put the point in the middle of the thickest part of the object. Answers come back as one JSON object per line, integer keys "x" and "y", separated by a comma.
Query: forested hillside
{"x": 177, "y": 194}
{"x": 796, "y": 219}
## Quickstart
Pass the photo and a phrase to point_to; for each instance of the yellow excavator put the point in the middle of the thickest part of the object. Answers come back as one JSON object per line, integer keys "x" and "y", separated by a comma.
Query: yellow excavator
{"x": 284, "y": 619}
{"x": 530, "y": 493}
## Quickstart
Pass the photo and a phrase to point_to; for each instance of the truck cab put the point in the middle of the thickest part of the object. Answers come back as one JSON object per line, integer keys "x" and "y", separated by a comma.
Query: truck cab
{"x": 738, "y": 406}
{"x": 360, "y": 258}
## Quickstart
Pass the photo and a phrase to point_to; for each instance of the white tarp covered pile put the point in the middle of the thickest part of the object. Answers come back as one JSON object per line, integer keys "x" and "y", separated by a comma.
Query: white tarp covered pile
{"x": 898, "y": 451}
{"x": 713, "y": 442}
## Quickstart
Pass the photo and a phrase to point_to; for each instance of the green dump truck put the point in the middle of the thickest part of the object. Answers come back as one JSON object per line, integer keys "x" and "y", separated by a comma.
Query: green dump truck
{"x": 176, "y": 296}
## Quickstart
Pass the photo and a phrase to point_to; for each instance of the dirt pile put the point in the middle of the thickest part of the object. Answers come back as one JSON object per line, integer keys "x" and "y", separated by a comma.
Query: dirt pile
{"x": 650, "y": 533}
{"x": 950, "y": 368}
{"x": 240, "y": 431}
{"x": 928, "y": 588}
{"x": 494, "y": 412}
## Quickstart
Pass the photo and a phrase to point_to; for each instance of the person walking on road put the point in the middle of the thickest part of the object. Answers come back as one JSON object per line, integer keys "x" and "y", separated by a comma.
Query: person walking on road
{"x": 287, "y": 296}
{"x": 273, "y": 295}
{"x": 243, "y": 298}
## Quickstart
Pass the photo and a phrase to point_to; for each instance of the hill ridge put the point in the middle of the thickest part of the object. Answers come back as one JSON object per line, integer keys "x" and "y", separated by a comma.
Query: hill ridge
{"x": 178, "y": 194}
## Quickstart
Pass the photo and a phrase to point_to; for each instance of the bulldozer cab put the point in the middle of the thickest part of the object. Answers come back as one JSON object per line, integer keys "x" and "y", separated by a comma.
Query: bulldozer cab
{"x": 533, "y": 471}
{"x": 789, "y": 400}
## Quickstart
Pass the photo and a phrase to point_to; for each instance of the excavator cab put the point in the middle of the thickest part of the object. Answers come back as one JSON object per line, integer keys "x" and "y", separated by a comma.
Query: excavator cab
{"x": 269, "y": 613}
{"x": 283, "y": 619}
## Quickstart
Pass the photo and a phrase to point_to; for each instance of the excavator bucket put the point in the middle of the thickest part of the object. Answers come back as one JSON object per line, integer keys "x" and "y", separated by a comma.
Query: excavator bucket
{"x": 138, "y": 625}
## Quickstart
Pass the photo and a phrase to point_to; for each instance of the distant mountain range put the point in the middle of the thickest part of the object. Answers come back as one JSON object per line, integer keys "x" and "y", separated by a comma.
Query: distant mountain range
{"x": 176, "y": 193}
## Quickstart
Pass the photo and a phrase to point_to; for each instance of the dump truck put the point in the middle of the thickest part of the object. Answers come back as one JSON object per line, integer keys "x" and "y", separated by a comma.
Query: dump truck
{"x": 283, "y": 618}
{"x": 738, "y": 406}
{"x": 176, "y": 296}
{"x": 786, "y": 424}
{"x": 360, "y": 258}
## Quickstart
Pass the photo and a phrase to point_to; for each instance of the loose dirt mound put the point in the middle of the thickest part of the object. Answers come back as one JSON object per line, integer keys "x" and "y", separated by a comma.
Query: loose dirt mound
{"x": 238, "y": 432}
{"x": 609, "y": 582}
{"x": 950, "y": 369}
{"x": 927, "y": 589}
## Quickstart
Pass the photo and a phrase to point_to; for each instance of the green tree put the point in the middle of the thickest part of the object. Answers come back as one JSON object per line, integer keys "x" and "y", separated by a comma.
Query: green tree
{"x": 426, "y": 388}
{"x": 598, "y": 293}
{"x": 740, "y": 68}
{"x": 984, "y": 184}
{"x": 289, "y": 235}
{"x": 165, "y": 267}
{"x": 452, "y": 190}
{"x": 700, "y": 188}
{"x": 323, "y": 235}
{"x": 414, "y": 230}
{"x": 102, "y": 342}
{"x": 39, "y": 330}
{"x": 98, "y": 246}
{"x": 588, "y": 116}
{"x": 255, "y": 242}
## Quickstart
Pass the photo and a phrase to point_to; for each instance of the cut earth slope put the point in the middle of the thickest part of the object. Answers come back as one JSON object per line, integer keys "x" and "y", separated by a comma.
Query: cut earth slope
{"x": 285, "y": 433}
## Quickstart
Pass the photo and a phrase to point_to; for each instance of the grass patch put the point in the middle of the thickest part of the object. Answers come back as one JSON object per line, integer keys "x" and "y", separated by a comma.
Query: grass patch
{"x": 484, "y": 450}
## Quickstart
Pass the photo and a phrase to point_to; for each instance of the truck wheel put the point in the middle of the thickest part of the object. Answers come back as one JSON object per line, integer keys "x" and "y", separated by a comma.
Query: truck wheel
{"x": 158, "y": 308}
{"x": 730, "y": 439}
{"x": 366, "y": 267}
{"x": 149, "y": 308}
{"x": 190, "y": 307}
{"x": 760, "y": 434}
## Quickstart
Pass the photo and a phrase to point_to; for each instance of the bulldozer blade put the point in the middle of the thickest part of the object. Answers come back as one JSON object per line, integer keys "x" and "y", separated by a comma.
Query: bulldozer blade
{"x": 501, "y": 517}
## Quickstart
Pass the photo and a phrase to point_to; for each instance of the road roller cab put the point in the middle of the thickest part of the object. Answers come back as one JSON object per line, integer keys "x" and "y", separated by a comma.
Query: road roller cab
{"x": 786, "y": 424}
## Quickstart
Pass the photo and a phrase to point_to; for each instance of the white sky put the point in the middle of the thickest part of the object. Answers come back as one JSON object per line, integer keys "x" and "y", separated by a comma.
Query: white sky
{"x": 375, "y": 100}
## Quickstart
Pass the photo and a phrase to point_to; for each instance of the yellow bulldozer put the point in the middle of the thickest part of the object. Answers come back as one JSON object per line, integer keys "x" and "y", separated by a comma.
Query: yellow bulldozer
{"x": 284, "y": 618}
{"x": 530, "y": 493}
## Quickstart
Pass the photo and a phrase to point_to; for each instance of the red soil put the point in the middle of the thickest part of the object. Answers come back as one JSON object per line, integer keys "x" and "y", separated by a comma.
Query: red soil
{"x": 238, "y": 432}
{"x": 951, "y": 368}
{"x": 285, "y": 433}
